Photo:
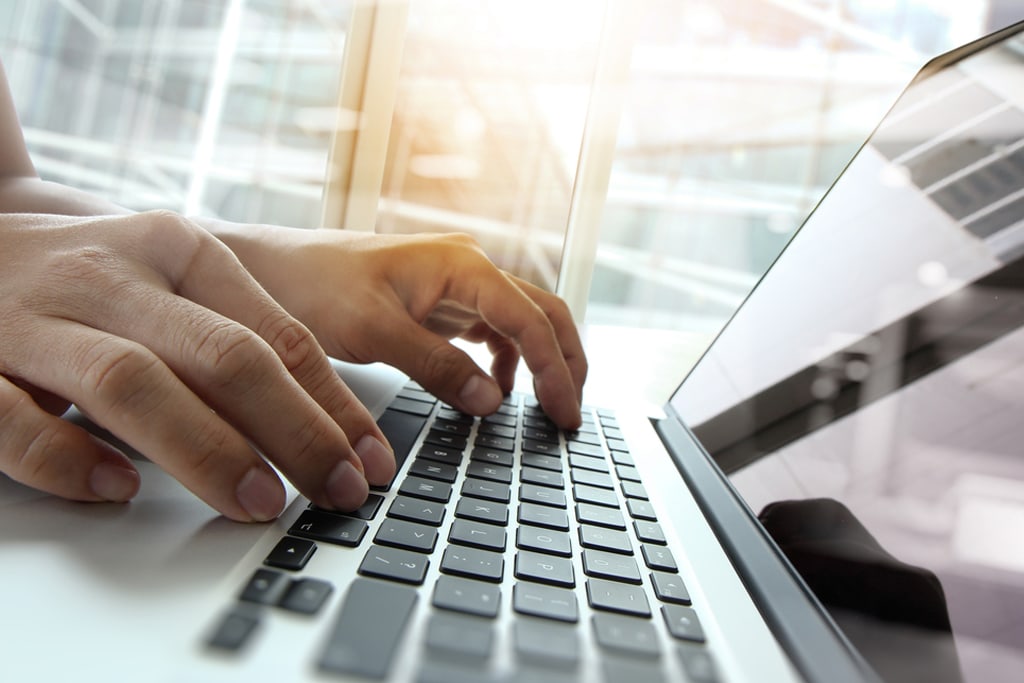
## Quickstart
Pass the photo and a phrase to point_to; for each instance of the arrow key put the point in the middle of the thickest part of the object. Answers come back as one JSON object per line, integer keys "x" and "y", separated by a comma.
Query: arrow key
{"x": 291, "y": 553}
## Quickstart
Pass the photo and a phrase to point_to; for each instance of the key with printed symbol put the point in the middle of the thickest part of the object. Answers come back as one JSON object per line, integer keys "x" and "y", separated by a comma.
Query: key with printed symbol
{"x": 290, "y": 553}
{"x": 418, "y": 487}
{"x": 555, "y": 571}
{"x": 329, "y": 528}
{"x": 395, "y": 564}
{"x": 465, "y": 595}
{"x": 482, "y": 511}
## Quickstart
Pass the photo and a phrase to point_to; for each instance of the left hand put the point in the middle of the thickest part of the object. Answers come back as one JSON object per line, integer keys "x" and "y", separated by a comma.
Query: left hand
{"x": 401, "y": 299}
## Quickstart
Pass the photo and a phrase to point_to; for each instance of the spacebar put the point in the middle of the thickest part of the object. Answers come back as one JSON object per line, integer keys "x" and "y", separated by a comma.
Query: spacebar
{"x": 401, "y": 430}
{"x": 364, "y": 639}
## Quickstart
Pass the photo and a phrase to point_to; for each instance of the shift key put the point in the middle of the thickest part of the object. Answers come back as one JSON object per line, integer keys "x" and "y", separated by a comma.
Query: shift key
{"x": 369, "y": 628}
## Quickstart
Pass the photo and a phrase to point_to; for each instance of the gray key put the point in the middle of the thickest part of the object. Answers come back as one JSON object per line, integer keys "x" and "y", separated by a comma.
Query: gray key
{"x": 617, "y": 668}
{"x": 683, "y": 623}
{"x": 461, "y": 635}
{"x": 592, "y": 494}
{"x": 427, "y": 489}
{"x": 545, "y": 601}
{"x": 613, "y": 596}
{"x": 697, "y": 662}
{"x": 543, "y": 462}
{"x": 605, "y": 539}
{"x": 265, "y": 587}
{"x": 670, "y": 588}
{"x": 482, "y": 511}
{"x": 556, "y": 571}
{"x": 477, "y": 535}
{"x": 306, "y": 596}
{"x": 415, "y": 510}
{"x": 483, "y": 470}
{"x": 394, "y": 564}
{"x": 408, "y": 535}
{"x": 641, "y": 509}
{"x": 431, "y": 469}
{"x": 586, "y": 449}
{"x": 585, "y": 462}
{"x": 542, "y": 495}
{"x": 600, "y": 516}
{"x": 234, "y": 630}
{"x": 539, "y": 515}
{"x": 627, "y": 473}
{"x": 366, "y": 634}
{"x": 543, "y": 540}
{"x": 659, "y": 557}
{"x": 473, "y": 563}
{"x": 604, "y": 565}
{"x": 492, "y": 456}
{"x": 626, "y": 634}
{"x": 534, "y": 475}
{"x": 632, "y": 489}
{"x": 620, "y": 458}
{"x": 329, "y": 527}
{"x": 649, "y": 532}
{"x": 487, "y": 490}
{"x": 465, "y": 595}
{"x": 554, "y": 644}
{"x": 592, "y": 478}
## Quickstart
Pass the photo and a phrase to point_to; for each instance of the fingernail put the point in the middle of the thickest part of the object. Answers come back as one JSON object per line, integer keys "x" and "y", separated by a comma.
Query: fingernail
{"x": 479, "y": 396}
{"x": 378, "y": 460}
{"x": 113, "y": 482}
{"x": 346, "y": 487}
{"x": 261, "y": 495}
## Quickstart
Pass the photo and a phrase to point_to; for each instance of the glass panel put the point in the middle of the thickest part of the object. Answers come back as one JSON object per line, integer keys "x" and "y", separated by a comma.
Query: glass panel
{"x": 194, "y": 105}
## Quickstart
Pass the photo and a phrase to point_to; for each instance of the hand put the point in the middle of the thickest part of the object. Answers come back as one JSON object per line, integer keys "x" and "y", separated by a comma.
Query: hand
{"x": 153, "y": 328}
{"x": 400, "y": 299}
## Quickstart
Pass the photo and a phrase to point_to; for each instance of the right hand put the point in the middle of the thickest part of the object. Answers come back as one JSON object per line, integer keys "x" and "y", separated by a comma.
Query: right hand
{"x": 154, "y": 329}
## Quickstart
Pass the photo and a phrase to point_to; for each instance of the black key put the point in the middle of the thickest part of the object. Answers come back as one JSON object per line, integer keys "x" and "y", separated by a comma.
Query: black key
{"x": 612, "y": 596}
{"x": 592, "y": 494}
{"x": 540, "y": 421}
{"x": 544, "y": 462}
{"x": 543, "y": 540}
{"x": 659, "y": 558}
{"x": 265, "y": 587}
{"x": 367, "y": 510}
{"x": 494, "y": 429}
{"x": 670, "y": 588}
{"x": 632, "y": 489}
{"x": 539, "y": 434}
{"x": 550, "y": 643}
{"x": 487, "y": 490}
{"x": 556, "y": 571}
{"x": 583, "y": 437}
{"x": 541, "y": 495}
{"x": 592, "y": 478}
{"x": 545, "y": 601}
{"x": 365, "y": 637}
{"x": 415, "y": 510}
{"x": 496, "y": 442}
{"x": 458, "y": 428}
{"x": 306, "y": 596}
{"x": 534, "y": 475}
{"x": 581, "y": 448}
{"x": 477, "y": 535}
{"x": 492, "y": 456}
{"x": 290, "y": 553}
{"x": 603, "y": 565}
{"x": 599, "y": 538}
{"x": 430, "y": 469}
{"x": 445, "y": 456}
{"x": 401, "y": 430}
{"x": 586, "y": 462}
{"x": 465, "y": 595}
{"x": 542, "y": 447}
{"x": 499, "y": 419}
{"x": 463, "y": 636}
{"x": 441, "y": 438}
{"x": 683, "y": 623}
{"x": 507, "y": 410}
{"x": 329, "y": 528}
{"x": 483, "y": 470}
{"x": 473, "y": 563}
{"x": 540, "y": 515}
{"x": 453, "y": 415}
{"x": 649, "y": 532}
{"x": 641, "y": 509}
{"x": 697, "y": 662}
{"x": 600, "y": 516}
{"x": 626, "y": 634}
{"x": 418, "y": 487}
{"x": 234, "y": 630}
{"x": 408, "y": 405}
{"x": 395, "y": 564}
{"x": 417, "y": 394}
{"x": 409, "y": 535}
{"x": 482, "y": 511}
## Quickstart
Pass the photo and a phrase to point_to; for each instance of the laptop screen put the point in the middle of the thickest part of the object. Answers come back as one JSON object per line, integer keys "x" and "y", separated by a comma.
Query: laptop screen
{"x": 867, "y": 400}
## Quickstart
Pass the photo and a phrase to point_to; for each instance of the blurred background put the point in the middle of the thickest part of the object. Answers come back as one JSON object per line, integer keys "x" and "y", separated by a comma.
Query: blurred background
{"x": 666, "y": 148}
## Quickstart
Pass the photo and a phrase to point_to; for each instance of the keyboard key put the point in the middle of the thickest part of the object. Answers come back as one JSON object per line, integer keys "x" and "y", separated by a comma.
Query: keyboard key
{"x": 329, "y": 528}
{"x": 427, "y": 489}
{"x": 592, "y": 494}
{"x": 441, "y": 438}
{"x": 482, "y": 511}
{"x": 649, "y": 532}
{"x": 583, "y": 437}
{"x": 632, "y": 489}
{"x": 477, "y": 535}
{"x": 407, "y": 405}
{"x": 306, "y": 596}
{"x": 499, "y": 419}
{"x": 265, "y": 587}
{"x": 627, "y": 473}
{"x": 473, "y": 563}
{"x": 482, "y": 470}
{"x": 494, "y": 442}
{"x": 458, "y": 427}
{"x": 613, "y": 433}
{"x": 401, "y": 430}
{"x": 659, "y": 557}
{"x": 697, "y": 662}
{"x": 534, "y": 475}
{"x": 555, "y": 571}
{"x": 415, "y": 392}
{"x": 465, "y": 595}
{"x": 626, "y": 634}
{"x": 492, "y": 456}
{"x": 600, "y": 538}
{"x": 487, "y": 490}
{"x": 624, "y": 459}
{"x": 556, "y": 645}
{"x": 543, "y": 462}
{"x": 603, "y": 565}
{"x": 495, "y": 429}
{"x": 445, "y": 456}
{"x": 586, "y": 462}
{"x": 453, "y": 415}
{"x": 581, "y": 448}
{"x": 541, "y": 447}
{"x": 612, "y": 596}
{"x": 465, "y": 636}
{"x": 369, "y": 627}
{"x": 670, "y": 588}
{"x": 367, "y": 510}
{"x": 541, "y": 495}
{"x": 234, "y": 630}
{"x": 632, "y": 668}
{"x": 429, "y": 469}
{"x": 395, "y": 564}
{"x": 536, "y": 421}
{"x": 400, "y": 533}
{"x": 547, "y": 435}
{"x": 290, "y": 553}
{"x": 617, "y": 445}
{"x": 540, "y": 515}
{"x": 600, "y": 516}
{"x": 641, "y": 509}
{"x": 545, "y": 601}
{"x": 543, "y": 540}
{"x": 683, "y": 623}
{"x": 593, "y": 478}
{"x": 415, "y": 510}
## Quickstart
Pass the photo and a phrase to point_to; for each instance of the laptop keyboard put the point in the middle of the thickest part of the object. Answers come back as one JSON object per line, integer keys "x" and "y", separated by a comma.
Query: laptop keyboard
{"x": 506, "y": 504}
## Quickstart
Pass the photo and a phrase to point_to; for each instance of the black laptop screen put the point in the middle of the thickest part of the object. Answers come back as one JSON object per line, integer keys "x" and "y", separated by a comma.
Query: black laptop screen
{"x": 867, "y": 401}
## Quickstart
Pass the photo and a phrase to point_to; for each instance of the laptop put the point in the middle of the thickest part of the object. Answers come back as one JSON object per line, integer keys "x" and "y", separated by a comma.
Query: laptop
{"x": 834, "y": 493}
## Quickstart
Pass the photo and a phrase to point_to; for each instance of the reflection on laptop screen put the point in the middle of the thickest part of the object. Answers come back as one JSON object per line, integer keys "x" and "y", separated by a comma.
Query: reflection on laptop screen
{"x": 868, "y": 399}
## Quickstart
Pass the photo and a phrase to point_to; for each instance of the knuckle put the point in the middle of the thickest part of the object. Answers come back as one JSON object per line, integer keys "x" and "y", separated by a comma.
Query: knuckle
{"x": 34, "y": 459}
{"x": 228, "y": 352}
{"x": 119, "y": 373}
{"x": 293, "y": 343}
{"x": 441, "y": 364}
